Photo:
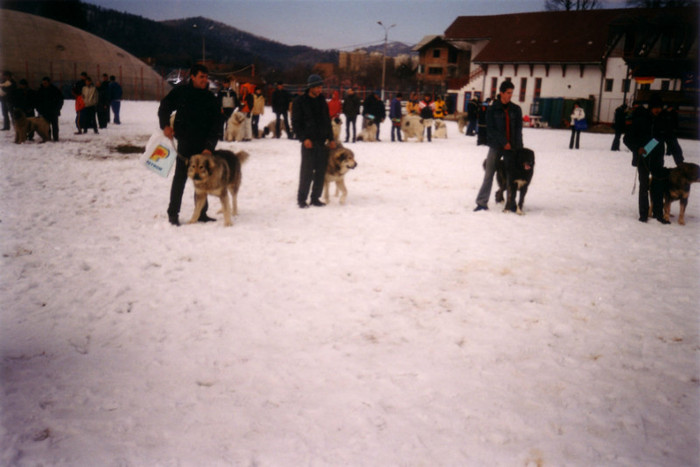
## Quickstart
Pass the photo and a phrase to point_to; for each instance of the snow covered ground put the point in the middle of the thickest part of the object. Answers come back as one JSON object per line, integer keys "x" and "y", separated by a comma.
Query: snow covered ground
{"x": 401, "y": 329}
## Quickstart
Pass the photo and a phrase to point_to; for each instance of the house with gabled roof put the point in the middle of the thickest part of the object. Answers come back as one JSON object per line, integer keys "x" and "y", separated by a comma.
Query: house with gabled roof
{"x": 601, "y": 56}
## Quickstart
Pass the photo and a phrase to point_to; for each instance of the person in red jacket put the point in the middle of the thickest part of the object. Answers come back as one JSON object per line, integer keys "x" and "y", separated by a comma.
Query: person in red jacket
{"x": 335, "y": 107}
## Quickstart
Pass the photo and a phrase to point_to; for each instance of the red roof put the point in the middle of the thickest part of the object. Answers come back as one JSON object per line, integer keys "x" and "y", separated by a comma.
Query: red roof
{"x": 542, "y": 37}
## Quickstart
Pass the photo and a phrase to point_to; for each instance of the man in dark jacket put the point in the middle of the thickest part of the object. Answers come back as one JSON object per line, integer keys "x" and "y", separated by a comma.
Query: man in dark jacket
{"x": 619, "y": 125}
{"x": 472, "y": 116}
{"x": 504, "y": 133}
{"x": 195, "y": 127}
{"x": 650, "y": 130}
{"x": 351, "y": 109}
{"x": 115, "y": 98}
{"x": 312, "y": 126}
{"x": 280, "y": 106}
{"x": 49, "y": 104}
{"x": 103, "y": 102}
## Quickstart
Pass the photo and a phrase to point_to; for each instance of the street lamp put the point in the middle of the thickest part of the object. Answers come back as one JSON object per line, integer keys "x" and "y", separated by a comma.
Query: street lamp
{"x": 194, "y": 26}
{"x": 386, "y": 35}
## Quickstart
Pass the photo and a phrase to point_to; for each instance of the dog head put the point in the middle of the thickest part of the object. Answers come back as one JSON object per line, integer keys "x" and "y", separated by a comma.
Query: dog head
{"x": 690, "y": 171}
{"x": 200, "y": 168}
{"x": 526, "y": 158}
{"x": 18, "y": 114}
{"x": 341, "y": 160}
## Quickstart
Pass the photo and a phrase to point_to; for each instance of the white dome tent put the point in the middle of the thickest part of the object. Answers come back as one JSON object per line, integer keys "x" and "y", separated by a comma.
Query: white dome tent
{"x": 32, "y": 47}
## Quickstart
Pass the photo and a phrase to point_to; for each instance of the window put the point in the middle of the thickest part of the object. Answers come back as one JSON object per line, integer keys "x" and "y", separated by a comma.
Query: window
{"x": 538, "y": 88}
{"x": 625, "y": 85}
{"x": 436, "y": 53}
{"x": 523, "y": 89}
{"x": 494, "y": 87}
{"x": 434, "y": 70}
{"x": 665, "y": 85}
{"x": 452, "y": 56}
{"x": 608, "y": 85}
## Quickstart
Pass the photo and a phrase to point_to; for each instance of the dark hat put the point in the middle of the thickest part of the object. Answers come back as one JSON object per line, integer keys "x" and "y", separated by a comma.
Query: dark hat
{"x": 313, "y": 81}
{"x": 655, "y": 101}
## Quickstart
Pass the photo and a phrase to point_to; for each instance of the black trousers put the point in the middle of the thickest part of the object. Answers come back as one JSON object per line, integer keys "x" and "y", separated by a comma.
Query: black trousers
{"x": 53, "y": 124}
{"x": 575, "y": 136}
{"x": 616, "y": 141}
{"x": 177, "y": 188}
{"x": 655, "y": 188}
{"x": 283, "y": 116}
{"x": 312, "y": 172}
{"x": 350, "y": 121}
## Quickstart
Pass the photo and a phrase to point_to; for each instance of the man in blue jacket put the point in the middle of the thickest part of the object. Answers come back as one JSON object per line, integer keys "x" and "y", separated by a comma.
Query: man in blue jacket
{"x": 195, "y": 127}
{"x": 504, "y": 133}
{"x": 311, "y": 123}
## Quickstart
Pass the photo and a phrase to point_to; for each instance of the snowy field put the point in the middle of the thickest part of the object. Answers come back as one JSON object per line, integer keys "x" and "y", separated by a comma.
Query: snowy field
{"x": 401, "y": 329}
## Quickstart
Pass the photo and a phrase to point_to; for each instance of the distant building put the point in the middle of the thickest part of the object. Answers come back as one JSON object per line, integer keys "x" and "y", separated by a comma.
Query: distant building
{"x": 441, "y": 62}
{"x": 359, "y": 60}
{"x": 603, "y": 56}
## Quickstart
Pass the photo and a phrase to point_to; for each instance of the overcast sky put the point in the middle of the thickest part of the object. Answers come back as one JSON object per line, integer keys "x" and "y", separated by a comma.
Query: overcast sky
{"x": 329, "y": 24}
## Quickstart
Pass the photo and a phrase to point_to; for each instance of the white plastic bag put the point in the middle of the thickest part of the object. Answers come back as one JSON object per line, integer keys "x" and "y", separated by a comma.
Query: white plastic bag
{"x": 160, "y": 154}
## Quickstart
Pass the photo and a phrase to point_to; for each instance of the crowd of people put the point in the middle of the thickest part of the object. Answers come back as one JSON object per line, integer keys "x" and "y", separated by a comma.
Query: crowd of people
{"x": 93, "y": 102}
{"x": 202, "y": 117}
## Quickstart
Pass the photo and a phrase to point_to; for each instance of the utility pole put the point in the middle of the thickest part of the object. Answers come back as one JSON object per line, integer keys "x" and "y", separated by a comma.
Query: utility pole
{"x": 386, "y": 35}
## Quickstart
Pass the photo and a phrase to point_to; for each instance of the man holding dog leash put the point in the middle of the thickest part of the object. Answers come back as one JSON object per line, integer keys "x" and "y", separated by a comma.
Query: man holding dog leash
{"x": 196, "y": 129}
{"x": 311, "y": 123}
{"x": 650, "y": 130}
{"x": 504, "y": 132}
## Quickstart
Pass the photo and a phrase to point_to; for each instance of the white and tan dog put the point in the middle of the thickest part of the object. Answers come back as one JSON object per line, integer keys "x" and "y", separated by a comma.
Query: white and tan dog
{"x": 368, "y": 133}
{"x": 340, "y": 160}
{"x": 270, "y": 128}
{"x": 440, "y": 129}
{"x": 412, "y": 127}
{"x": 235, "y": 130}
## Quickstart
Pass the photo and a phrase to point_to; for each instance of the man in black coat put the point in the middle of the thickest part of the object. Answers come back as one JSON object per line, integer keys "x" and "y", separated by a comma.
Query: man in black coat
{"x": 49, "y": 103}
{"x": 103, "y": 102}
{"x": 280, "y": 106}
{"x": 650, "y": 130}
{"x": 312, "y": 126}
{"x": 351, "y": 109}
{"x": 196, "y": 129}
{"x": 504, "y": 133}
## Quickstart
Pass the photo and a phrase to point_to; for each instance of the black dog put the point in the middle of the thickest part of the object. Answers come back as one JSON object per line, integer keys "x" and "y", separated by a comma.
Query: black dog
{"x": 514, "y": 173}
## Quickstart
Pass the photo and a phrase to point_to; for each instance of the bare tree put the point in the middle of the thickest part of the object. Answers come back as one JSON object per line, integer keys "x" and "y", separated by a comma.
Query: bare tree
{"x": 658, "y": 3}
{"x": 568, "y": 5}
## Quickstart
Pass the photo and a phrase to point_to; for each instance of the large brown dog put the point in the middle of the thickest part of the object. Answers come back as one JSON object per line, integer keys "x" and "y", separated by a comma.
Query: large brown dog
{"x": 28, "y": 125}
{"x": 677, "y": 188}
{"x": 216, "y": 174}
{"x": 340, "y": 160}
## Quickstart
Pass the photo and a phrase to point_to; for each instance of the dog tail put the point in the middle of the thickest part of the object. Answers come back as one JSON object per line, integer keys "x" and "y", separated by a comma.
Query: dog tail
{"x": 242, "y": 156}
